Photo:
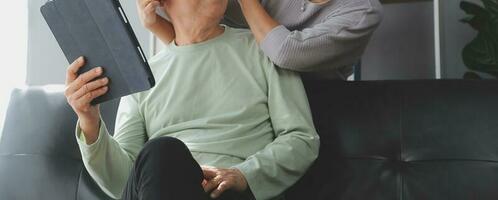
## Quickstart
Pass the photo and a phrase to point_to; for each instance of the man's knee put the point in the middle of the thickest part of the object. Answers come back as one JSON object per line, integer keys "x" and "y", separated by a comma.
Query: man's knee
{"x": 165, "y": 153}
{"x": 164, "y": 146}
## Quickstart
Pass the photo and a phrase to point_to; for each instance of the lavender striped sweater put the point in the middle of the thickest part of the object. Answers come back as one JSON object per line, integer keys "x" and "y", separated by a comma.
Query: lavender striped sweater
{"x": 324, "y": 39}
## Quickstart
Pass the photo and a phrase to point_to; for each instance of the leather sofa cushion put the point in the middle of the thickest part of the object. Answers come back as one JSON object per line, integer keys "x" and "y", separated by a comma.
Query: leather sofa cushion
{"x": 429, "y": 139}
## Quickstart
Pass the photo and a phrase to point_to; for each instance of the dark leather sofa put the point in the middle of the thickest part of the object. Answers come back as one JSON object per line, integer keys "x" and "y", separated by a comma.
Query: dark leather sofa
{"x": 386, "y": 140}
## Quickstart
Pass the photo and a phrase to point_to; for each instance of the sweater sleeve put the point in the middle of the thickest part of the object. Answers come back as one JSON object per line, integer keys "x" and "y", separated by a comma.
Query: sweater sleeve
{"x": 109, "y": 160}
{"x": 339, "y": 40}
{"x": 281, "y": 163}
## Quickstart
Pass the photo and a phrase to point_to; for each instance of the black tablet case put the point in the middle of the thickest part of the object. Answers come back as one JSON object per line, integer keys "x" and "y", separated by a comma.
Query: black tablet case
{"x": 100, "y": 31}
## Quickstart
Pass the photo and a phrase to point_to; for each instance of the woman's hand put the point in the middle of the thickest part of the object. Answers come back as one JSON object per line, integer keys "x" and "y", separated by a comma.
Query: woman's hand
{"x": 147, "y": 12}
{"x": 218, "y": 180}
{"x": 80, "y": 91}
{"x": 161, "y": 27}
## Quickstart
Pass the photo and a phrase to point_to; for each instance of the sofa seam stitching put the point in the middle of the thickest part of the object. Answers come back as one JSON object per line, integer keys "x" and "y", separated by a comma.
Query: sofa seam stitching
{"x": 401, "y": 106}
{"x": 78, "y": 183}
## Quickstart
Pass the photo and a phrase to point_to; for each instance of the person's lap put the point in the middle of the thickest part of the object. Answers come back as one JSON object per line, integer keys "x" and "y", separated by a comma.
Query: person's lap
{"x": 165, "y": 169}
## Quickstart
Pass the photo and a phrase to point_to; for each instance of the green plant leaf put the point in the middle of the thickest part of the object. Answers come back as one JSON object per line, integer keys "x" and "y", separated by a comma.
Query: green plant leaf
{"x": 491, "y": 5}
{"x": 471, "y": 76}
{"x": 472, "y": 8}
{"x": 477, "y": 14}
{"x": 481, "y": 54}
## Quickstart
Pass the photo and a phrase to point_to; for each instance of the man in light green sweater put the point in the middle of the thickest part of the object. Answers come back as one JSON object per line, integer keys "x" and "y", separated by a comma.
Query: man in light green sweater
{"x": 245, "y": 121}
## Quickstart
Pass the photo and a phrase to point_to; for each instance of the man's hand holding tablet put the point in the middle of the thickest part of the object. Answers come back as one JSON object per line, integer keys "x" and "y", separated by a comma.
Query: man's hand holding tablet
{"x": 80, "y": 91}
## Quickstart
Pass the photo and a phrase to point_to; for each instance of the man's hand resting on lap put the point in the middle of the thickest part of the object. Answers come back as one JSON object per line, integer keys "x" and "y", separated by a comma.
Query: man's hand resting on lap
{"x": 216, "y": 180}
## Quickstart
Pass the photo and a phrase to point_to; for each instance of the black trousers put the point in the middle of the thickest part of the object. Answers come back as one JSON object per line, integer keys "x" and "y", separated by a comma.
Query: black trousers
{"x": 166, "y": 170}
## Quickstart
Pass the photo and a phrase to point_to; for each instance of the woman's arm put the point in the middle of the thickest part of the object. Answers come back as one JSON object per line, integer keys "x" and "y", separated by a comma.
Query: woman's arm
{"x": 163, "y": 30}
{"x": 260, "y": 22}
{"x": 336, "y": 42}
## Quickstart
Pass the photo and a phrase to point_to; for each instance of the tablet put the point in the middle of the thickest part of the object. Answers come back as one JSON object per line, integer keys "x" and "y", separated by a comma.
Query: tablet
{"x": 100, "y": 31}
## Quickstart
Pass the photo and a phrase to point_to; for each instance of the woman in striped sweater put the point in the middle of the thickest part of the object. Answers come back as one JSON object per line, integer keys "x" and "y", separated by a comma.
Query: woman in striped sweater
{"x": 324, "y": 37}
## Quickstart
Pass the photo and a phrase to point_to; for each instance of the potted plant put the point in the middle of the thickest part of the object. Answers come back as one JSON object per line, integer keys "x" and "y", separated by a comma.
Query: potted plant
{"x": 481, "y": 54}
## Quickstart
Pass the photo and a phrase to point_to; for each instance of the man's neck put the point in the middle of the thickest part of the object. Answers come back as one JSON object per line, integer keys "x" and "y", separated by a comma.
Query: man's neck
{"x": 195, "y": 32}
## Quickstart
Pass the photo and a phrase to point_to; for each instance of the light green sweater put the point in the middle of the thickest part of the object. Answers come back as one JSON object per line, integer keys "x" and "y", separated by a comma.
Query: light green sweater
{"x": 227, "y": 102}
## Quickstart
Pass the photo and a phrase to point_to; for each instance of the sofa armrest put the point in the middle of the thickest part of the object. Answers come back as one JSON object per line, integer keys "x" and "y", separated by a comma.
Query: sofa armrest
{"x": 38, "y": 149}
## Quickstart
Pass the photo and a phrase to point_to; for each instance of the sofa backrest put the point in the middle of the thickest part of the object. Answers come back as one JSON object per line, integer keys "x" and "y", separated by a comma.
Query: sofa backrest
{"x": 403, "y": 140}
{"x": 39, "y": 157}
{"x": 379, "y": 140}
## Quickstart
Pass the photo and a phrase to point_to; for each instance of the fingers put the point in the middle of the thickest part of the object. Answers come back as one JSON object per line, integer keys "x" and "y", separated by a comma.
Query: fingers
{"x": 144, "y": 3}
{"x": 72, "y": 70}
{"x": 147, "y": 12}
{"x": 222, "y": 187}
{"x": 90, "y": 87}
{"x": 218, "y": 184}
{"x": 211, "y": 178}
{"x": 90, "y": 96}
{"x": 218, "y": 181}
{"x": 82, "y": 80}
{"x": 80, "y": 91}
{"x": 151, "y": 7}
{"x": 82, "y": 104}
{"x": 211, "y": 185}
{"x": 208, "y": 172}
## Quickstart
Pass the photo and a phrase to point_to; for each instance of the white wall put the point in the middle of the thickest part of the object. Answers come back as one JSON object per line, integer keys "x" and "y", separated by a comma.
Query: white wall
{"x": 13, "y": 53}
{"x": 46, "y": 62}
{"x": 403, "y": 45}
